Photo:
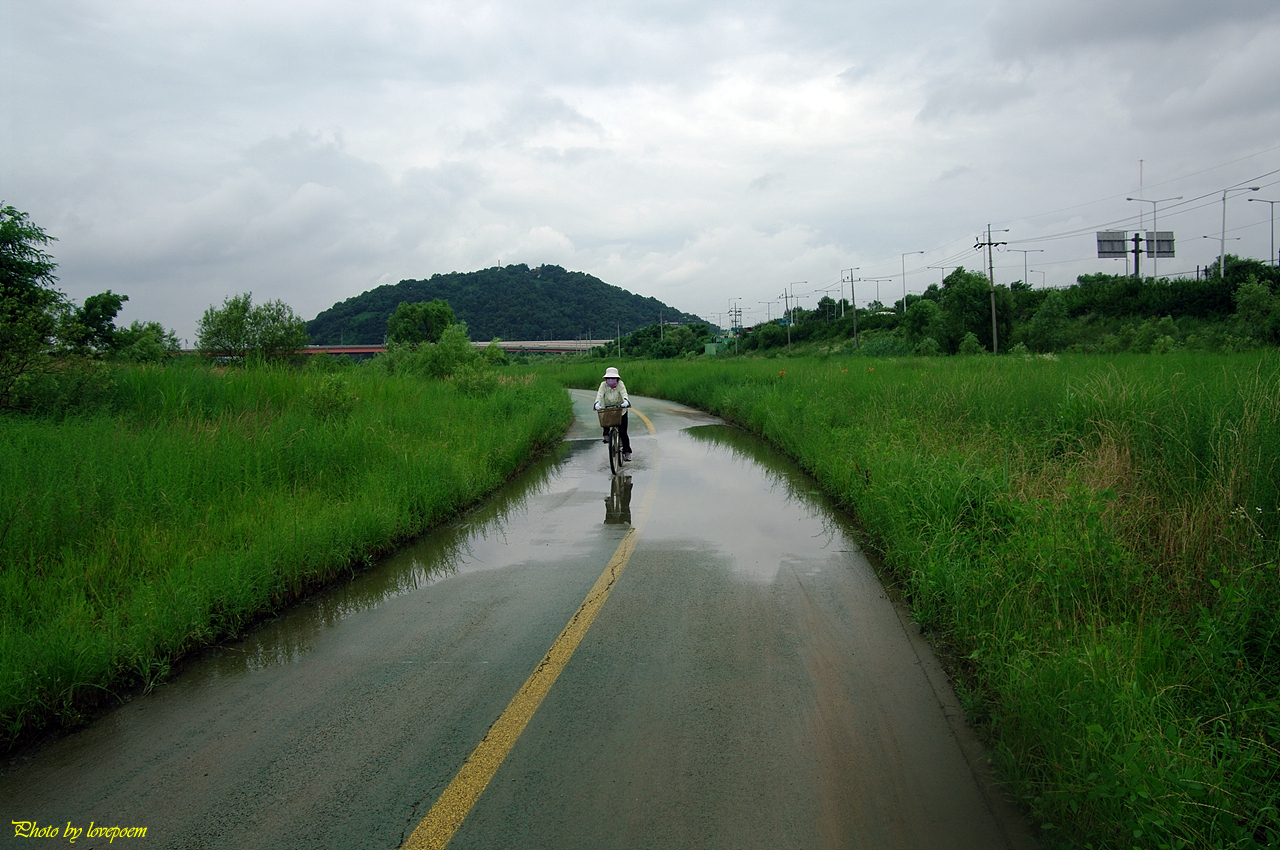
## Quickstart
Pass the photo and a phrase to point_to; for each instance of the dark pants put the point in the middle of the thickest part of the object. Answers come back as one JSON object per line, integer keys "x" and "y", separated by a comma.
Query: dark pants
{"x": 622, "y": 432}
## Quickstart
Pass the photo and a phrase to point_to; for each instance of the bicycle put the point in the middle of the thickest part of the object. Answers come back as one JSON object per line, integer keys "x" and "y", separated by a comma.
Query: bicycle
{"x": 610, "y": 419}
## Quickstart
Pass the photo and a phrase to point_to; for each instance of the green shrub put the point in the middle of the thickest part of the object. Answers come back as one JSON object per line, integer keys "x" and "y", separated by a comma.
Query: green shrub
{"x": 928, "y": 347}
{"x": 330, "y": 398}
{"x": 969, "y": 345}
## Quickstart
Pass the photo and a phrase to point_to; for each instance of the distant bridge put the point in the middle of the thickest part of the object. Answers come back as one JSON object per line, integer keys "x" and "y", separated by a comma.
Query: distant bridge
{"x": 536, "y": 346}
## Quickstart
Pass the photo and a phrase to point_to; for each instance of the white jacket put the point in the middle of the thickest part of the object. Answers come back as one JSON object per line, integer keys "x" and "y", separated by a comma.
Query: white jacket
{"x": 608, "y": 396}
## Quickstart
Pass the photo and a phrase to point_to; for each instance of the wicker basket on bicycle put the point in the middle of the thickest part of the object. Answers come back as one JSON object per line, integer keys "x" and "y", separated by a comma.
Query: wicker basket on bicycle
{"x": 610, "y": 417}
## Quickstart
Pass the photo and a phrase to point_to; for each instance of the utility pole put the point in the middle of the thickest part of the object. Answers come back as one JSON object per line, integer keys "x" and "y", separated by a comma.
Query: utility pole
{"x": 1137, "y": 252}
{"x": 786, "y": 311}
{"x": 991, "y": 276}
{"x": 855, "y": 304}
{"x": 791, "y": 320}
{"x": 735, "y": 323}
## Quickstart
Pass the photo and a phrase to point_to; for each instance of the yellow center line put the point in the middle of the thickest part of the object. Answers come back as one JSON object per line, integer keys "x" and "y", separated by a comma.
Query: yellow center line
{"x": 451, "y": 809}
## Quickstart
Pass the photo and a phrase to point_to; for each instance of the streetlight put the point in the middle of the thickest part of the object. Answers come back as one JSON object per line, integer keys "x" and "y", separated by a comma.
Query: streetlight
{"x": 768, "y": 309}
{"x": 1043, "y": 277}
{"x": 943, "y": 269}
{"x": 904, "y": 280}
{"x": 1155, "y": 228}
{"x": 1222, "y": 256}
{"x": 877, "y": 282}
{"x": 1024, "y": 252}
{"x": 1273, "y": 226}
{"x": 830, "y": 289}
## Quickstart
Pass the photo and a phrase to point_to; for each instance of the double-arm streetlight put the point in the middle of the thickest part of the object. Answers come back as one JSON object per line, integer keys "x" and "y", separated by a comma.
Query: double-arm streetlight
{"x": 1222, "y": 255}
{"x": 827, "y": 292}
{"x": 904, "y": 279}
{"x": 943, "y": 269}
{"x": 877, "y": 282}
{"x": 1273, "y": 226}
{"x": 1155, "y": 228}
{"x": 1024, "y": 252}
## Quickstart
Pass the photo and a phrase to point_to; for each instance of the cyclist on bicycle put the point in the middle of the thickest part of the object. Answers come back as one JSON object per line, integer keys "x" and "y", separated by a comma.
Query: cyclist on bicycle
{"x": 613, "y": 393}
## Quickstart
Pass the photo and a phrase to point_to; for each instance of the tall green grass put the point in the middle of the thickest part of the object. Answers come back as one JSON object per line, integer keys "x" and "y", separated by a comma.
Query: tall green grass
{"x": 1092, "y": 544}
{"x": 203, "y": 499}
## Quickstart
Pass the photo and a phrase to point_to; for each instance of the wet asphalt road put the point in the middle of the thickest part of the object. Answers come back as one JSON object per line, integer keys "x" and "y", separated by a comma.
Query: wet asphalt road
{"x": 746, "y": 684}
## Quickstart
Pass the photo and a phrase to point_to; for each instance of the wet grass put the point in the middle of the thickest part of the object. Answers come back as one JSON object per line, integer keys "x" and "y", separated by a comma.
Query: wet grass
{"x": 1091, "y": 544}
{"x": 203, "y": 499}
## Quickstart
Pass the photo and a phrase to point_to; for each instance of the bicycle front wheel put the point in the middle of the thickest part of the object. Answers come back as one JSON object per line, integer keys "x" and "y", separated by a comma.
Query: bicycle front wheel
{"x": 615, "y": 451}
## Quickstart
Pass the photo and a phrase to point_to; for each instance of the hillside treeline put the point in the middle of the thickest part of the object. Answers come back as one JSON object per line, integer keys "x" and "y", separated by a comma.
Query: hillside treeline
{"x": 508, "y": 302}
{"x": 1101, "y": 313}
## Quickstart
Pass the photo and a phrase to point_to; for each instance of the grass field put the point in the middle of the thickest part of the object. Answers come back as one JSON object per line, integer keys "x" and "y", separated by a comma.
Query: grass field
{"x": 1091, "y": 545}
{"x": 202, "y": 499}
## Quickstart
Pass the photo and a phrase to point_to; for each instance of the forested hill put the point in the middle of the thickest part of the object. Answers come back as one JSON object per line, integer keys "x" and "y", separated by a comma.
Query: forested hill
{"x": 515, "y": 302}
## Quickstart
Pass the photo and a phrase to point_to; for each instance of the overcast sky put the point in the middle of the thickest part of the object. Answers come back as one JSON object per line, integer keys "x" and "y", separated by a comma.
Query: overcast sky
{"x": 696, "y": 152}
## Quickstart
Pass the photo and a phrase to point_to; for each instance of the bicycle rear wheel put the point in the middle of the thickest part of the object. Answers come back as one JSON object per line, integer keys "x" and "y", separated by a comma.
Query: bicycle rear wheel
{"x": 615, "y": 451}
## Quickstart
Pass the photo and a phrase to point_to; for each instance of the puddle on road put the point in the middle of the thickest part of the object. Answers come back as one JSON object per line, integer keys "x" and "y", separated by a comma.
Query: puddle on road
{"x": 540, "y": 516}
{"x": 712, "y": 492}
{"x": 478, "y": 540}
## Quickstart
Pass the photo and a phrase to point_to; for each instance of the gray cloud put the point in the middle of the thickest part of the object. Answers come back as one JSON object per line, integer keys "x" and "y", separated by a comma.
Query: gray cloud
{"x": 965, "y": 94}
{"x": 309, "y": 151}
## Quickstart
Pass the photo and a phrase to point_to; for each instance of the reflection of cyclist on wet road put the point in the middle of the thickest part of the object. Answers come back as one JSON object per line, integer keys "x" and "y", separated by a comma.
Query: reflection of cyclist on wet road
{"x": 613, "y": 393}
{"x": 617, "y": 505}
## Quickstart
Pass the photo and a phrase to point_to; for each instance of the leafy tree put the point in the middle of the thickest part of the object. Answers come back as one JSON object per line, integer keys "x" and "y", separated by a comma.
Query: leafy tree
{"x": 966, "y": 298}
{"x": 276, "y": 330}
{"x": 239, "y": 329}
{"x": 1046, "y": 330}
{"x": 771, "y": 335}
{"x": 419, "y": 322}
{"x": 225, "y": 331}
{"x": 30, "y": 308}
{"x": 1257, "y": 311}
{"x": 91, "y": 328}
{"x": 923, "y": 320}
{"x": 142, "y": 342}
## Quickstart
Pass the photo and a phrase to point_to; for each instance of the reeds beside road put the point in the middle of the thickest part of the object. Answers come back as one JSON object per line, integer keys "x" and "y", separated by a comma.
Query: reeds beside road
{"x": 200, "y": 499}
{"x": 1091, "y": 544}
